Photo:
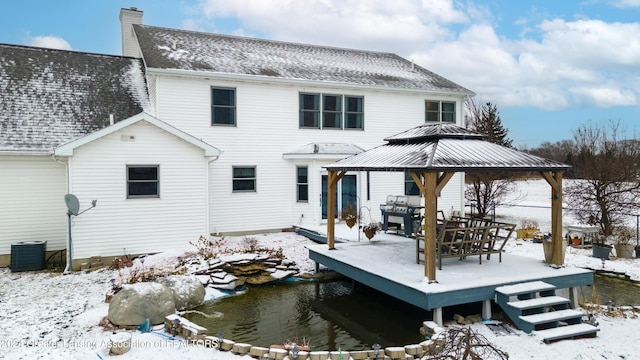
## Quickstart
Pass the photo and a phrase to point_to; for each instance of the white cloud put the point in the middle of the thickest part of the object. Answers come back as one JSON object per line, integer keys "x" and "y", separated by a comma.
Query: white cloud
{"x": 605, "y": 96}
{"x": 625, "y": 3}
{"x": 52, "y": 42}
{"x": 551, "y": 63}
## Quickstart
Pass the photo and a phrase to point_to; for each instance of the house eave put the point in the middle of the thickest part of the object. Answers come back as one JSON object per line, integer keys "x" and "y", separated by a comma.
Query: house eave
{"x": 262, "y": 79}
{"x": 25, "y": 153}
{"x": 68, "y": 148}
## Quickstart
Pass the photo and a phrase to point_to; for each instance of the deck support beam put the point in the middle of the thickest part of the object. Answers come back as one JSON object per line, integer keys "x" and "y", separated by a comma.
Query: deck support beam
{"x": 437, "y": 316}
{"x": 573, "y": 298}
{"x": 555, "y": 180}
{"x": 486, "y": 310}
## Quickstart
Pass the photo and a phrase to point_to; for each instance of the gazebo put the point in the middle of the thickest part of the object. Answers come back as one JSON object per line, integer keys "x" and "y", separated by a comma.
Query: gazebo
{"x": 432, "y": 154}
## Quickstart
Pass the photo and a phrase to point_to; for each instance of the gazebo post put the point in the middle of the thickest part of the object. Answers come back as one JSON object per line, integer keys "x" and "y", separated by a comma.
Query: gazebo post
{"x": 555, "y": 180}
{"x": 429, "y": 226}
{"x": 332, "y": 180}
{"x": 429, "y": 189}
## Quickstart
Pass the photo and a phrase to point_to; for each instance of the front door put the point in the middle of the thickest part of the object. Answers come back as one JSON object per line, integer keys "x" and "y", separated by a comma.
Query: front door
{"x": 346, "y": 194}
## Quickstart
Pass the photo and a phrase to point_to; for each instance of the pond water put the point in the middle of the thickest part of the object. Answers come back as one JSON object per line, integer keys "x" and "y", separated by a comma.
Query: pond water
{"x": 608, "y": 287}
{"x": 338, "y": 314}
{"x": 328, "y": 315}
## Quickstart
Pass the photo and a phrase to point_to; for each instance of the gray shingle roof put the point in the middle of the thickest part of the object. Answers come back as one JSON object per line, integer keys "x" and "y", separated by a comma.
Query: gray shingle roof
{"x": 164, "y": 48}
{"x": 443, "y": 147}
{"x": 50, "y": 97}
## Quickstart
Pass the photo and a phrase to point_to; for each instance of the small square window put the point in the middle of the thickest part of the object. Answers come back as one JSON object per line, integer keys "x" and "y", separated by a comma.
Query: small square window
{"x": 440, "y": 111}
{"x": 223, "y": 106}
{"x": 244, "y": 179}
{"x": 143, "y": 181}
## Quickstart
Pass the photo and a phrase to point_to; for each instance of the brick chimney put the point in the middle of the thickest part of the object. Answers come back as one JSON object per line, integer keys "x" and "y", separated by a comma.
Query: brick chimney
{"x": 130, "y": 17}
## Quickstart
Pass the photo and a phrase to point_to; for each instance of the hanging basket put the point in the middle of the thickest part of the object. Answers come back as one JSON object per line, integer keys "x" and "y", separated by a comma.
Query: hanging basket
{"x": 350, "y": 221}
{"x": 369, "y": 233}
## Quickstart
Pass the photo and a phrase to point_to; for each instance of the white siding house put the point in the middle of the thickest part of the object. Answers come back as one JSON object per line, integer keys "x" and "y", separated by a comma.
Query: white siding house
{"x": 192, "y": 133}
{"x": 166, "y": 218}
{"x": 31, "y": 191}
{"x": 265, "y": 135}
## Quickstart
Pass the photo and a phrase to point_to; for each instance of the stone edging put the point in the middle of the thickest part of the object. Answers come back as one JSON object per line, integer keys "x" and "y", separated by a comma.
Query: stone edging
{"x": 197, "y": 335}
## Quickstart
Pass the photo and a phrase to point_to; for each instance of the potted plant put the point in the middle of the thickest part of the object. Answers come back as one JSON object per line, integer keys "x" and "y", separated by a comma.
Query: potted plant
{"x": 623, "y": 245}
{"x": 350, "y": 215}
{"x": 371, "y": 229}
{"x": 528, "y": 228}
{"x": 600, "y": 247}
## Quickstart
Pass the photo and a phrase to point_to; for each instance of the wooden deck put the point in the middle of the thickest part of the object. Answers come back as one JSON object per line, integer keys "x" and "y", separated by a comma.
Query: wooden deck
{"x": 387, "y": 263}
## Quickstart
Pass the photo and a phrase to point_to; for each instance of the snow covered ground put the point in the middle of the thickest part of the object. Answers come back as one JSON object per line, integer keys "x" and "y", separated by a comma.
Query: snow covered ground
{"x": 54, "y": 316}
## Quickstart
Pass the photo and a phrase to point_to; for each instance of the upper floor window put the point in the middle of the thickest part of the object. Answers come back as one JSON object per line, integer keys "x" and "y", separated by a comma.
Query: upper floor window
{"x": 143, "y": 181}
{"x": 244, "y": 179}
{"x": 309, "y": 111}
{"x": 223, "y": 106}
{"x": 440, "y": 111}
{"x": 302, "y": 182}
{"x": 354, "y": 112}
{"x": 333, "y": 112}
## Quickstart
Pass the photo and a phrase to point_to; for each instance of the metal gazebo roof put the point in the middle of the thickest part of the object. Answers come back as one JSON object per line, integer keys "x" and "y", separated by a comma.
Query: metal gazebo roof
{"x": 443, "y": 147}
{"x": 447, "y": 148}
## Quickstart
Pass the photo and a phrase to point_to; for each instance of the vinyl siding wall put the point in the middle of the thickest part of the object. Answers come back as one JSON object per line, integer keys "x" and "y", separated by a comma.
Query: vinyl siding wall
{"x": 32, "y": 208}
{"x": 118, "y": 225}
{"x": 266, "y": 128}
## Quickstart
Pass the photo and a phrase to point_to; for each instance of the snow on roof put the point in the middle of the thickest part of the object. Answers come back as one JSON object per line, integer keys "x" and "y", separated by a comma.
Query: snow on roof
{"x": 327, "y": 148}
{"x": 434, "y": 147}
{"x": 164, "y": 48}
{"x": 50, "y": 97}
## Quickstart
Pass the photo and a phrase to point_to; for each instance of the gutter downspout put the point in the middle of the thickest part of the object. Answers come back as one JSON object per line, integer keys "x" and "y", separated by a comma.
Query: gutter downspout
{"x": 68, "y": 267}
{"x": 207, "y": 195}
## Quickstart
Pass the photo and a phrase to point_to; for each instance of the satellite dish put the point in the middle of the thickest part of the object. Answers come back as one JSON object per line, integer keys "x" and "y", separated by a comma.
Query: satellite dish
{"x": 72, "y": 204}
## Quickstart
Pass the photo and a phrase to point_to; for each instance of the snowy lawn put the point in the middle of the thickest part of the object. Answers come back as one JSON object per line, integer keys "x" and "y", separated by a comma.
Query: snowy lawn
{"x": 53, "y": 316}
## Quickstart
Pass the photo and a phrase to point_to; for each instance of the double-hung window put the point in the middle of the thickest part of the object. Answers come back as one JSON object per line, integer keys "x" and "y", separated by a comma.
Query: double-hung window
{"x": 353, "y": 112}
{"x": 332, "y": 111}
{"x": 329, "y": 111}
{"x": 143, "y": 181}
{"x": 244, "y": 179}
{"x": 302, "y": 182}
{"x": 309, "y": 111}
{"x": 223, "y": 106}
{"x": 440, "y": 111}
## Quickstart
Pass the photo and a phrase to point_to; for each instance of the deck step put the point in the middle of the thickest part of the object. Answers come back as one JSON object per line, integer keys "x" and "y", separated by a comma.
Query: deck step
{"x": 551, "y": 316}
{"x": 538, "y": 302}
{"x": 566, "y": 332}
{"x": 524, "y": 288}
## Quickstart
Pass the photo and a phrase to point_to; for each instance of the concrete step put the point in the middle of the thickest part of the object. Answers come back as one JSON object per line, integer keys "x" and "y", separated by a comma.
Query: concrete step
{"x": 538, "y": 302}
{"x": 566, "y": 332}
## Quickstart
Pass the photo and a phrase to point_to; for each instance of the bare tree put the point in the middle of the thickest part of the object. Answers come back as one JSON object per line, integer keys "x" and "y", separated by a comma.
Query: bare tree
{"x": 562, "y": 151}
{"x": 487, "y": 189}
{"x": 606, "y": 163}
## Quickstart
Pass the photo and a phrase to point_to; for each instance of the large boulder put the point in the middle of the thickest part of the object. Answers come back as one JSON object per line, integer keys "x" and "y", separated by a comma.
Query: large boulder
{"x": 135, "y": 303}
{"x": 188, "y": 291}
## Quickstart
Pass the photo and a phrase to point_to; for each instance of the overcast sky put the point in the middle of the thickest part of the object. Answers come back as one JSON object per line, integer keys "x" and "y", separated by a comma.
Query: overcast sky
{"x": 550, "y": 66}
